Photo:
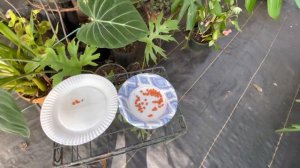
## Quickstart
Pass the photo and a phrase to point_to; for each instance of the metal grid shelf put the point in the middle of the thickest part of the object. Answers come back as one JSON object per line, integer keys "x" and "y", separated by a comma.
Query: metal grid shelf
{"x": 104, "y": 146}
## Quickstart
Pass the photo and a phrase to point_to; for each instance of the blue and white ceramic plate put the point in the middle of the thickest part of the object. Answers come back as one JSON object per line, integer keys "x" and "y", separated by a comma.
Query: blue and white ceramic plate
{"x": 147, "y": 101}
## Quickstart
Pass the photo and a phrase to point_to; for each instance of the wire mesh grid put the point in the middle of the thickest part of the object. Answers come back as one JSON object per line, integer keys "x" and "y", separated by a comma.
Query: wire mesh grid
{"x": 105, "y": 146}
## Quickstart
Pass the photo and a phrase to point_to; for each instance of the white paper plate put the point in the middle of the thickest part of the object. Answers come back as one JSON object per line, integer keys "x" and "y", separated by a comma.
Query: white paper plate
{"x": 79, "y": 109}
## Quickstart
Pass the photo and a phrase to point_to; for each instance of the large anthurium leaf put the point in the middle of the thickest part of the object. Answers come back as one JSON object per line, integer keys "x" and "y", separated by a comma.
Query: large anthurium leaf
{"x": 114, "y": 23}
{"x": 274, "y": 8}
{"x": 11, "y": 117}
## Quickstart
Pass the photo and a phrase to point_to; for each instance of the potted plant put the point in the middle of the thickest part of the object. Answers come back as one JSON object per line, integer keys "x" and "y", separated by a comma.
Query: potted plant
{"x": 19, "y": 67}
{"x": 208, "y": 20}
{"x": 34, "y": 64}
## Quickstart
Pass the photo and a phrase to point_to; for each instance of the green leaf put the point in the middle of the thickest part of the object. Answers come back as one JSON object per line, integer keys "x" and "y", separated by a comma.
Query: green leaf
{"x": 114, "y": 23}
{"x": 297, "y": 3}
{"x": 217, "y": 9}
{"x": 293, "y": 128}
{"x": 11, "y": 36}
{"x": 58, "y": 60}
{"x": 73, "y": 49}
{"x": 11, "y": 118}
{"x": 191, "y": 16}
{"x": 236, "y": 10}
{"x": 6, "y": 80}
{"x": 40, "y": 84}
{"x": 175, "y": 5}
{"x": 43, "y": 27}
{"x": 236, "y": 25}
{"x": 13, "y": 18}
{"x": 88, "y": 57}
{"x": 249, "y": 5}
{"x": 31, "y": 67}
{"x": 215, "y": 35}
{"x": 274, "y": 8}
{"x": 210, "y": 4}
{"x": 186, "y": 4}
{"x": 159, "y": 30}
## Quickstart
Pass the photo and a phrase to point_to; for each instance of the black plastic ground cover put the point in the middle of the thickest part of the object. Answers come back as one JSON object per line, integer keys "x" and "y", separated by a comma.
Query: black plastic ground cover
{"x": 231, "y": 122}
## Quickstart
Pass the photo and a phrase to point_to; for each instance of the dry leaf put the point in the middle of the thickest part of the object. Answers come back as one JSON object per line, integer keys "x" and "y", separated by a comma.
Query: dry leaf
{"x": 258, "y": 88}
{"x": 103, "y": 163}
{"x": 23, "y": 146}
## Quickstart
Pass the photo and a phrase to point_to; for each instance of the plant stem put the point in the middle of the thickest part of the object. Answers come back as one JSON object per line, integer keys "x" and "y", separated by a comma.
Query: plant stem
{"x": 65, "y": 37}
{"x": 61, "y": 21}
{"x": 143, "y": 65}
{"x": 13, "y": 7}
{"x": 48, "y": 17}
{"x": 53, "y": 10}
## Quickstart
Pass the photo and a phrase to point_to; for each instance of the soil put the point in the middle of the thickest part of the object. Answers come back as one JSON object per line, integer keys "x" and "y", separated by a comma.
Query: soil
{"x": 147, "y": 13}
{"x": 198, "y": 37}
{"x": 108, "y": 68}
{"x": 134, "y": 67}
{"x": 153, "y": 10}
{"x": 127, "y": 49}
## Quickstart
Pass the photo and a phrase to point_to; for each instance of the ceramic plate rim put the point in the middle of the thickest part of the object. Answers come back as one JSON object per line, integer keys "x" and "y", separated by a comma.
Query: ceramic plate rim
{"x": 137, "y": 122}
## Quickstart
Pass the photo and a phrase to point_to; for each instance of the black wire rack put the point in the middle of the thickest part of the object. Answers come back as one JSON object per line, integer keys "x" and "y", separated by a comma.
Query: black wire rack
{"x": 104, "y": 146}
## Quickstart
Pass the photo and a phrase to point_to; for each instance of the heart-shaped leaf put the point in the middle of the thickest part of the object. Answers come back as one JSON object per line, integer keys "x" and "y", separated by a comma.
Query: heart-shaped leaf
{"x": 11, "y": 117}
{"x": 114, "y": 23}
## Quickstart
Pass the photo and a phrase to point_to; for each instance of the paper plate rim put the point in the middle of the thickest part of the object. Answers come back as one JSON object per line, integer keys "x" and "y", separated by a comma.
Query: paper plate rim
{"x": 48, "y": 122}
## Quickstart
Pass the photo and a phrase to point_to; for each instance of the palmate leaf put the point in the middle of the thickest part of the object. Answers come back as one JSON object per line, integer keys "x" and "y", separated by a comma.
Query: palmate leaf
{"x": 11, "y": 117}
{"x": 58, "y": 60}
{"x": 159, "y": 30}
{"x": 114, "y": 23}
